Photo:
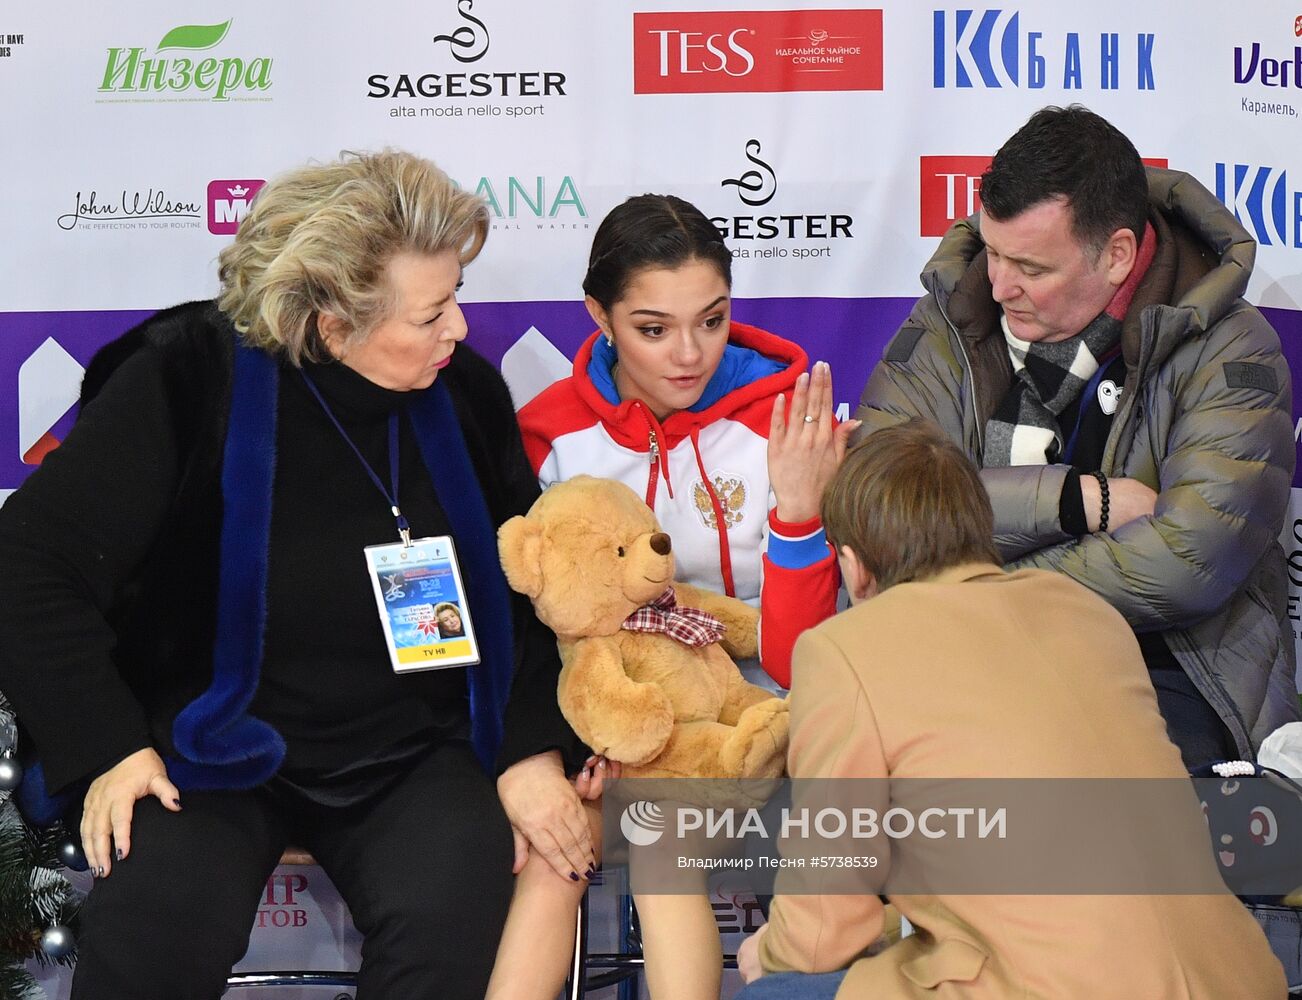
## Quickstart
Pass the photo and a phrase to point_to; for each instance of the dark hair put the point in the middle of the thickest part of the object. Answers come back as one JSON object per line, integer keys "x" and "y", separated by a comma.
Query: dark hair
{"x": 1071, "y": 152}
{"x": 650, "y": 230}
{"x": 909, "y": 504}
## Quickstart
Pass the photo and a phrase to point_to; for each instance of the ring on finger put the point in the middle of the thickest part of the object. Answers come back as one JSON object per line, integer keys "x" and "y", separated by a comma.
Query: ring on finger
{"x": 809, "y": 419}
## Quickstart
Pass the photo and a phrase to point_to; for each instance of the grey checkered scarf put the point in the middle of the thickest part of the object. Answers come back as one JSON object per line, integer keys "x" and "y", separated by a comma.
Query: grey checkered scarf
{"x": 1048, "y": 378}
{"x": 1024, "y": 428}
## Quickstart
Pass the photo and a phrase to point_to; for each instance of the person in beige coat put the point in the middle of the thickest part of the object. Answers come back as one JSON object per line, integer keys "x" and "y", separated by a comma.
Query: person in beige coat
{"x": 948, "y": 667}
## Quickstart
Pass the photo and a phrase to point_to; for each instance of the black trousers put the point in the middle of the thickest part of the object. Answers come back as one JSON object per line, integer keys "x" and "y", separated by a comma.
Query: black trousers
{"x": 1191, "y": 723}
{"x": 424, "y": 866}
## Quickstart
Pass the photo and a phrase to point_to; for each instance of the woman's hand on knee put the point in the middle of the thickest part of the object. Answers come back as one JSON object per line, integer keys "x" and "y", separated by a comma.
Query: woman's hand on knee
{"x": 111, "y": 801}
{"x": 545, "y": 812}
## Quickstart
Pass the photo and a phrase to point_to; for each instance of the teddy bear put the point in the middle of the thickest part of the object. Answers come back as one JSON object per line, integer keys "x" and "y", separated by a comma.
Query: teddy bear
{"x": 648, "y": 676}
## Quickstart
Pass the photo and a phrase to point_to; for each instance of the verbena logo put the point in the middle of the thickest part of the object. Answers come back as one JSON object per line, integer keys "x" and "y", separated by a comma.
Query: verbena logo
{"x": 131, "y": 71}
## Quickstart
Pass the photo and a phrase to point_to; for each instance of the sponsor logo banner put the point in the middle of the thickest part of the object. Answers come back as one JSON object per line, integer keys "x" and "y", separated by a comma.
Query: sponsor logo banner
{"x": 994, "y": 48}
{"x": 1275, "y": 66}
{"x": 228, "y": 204}
{"x": 130, "y": 209}
{"x": 1263, "y": 200}
{"x": 539, "y": 203}
{"x": 717, "y": 52}
{"x": 9, "y": 41}
{"x": 778, "y": 232}
{"x": 450, "y": 95}
{"x": 187, "y": 72}
{"x": 950, "y": 189}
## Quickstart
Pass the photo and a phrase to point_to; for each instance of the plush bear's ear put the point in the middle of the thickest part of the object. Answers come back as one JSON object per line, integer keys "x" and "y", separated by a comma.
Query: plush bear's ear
{"x": 519, "y": 544}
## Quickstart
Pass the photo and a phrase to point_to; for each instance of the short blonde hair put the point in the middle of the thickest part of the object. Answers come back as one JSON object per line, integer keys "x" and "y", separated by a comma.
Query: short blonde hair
{"x": 319, "y": 238}
{"x": 909, "y": 504}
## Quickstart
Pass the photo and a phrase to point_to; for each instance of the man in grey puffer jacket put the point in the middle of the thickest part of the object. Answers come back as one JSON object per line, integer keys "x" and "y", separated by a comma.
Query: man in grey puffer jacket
{"x": 1086, "y": 341}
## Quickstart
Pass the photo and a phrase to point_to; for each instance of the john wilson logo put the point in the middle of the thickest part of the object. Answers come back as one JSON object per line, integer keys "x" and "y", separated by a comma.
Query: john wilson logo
{"x": 987, "y": 48}
{"x": 642, "y": 823}
{"x": 710, "y": 52}
{"x": 130, "y": 71}
{"x": 1260, "y": 198}
{"x": 228, "y": 204}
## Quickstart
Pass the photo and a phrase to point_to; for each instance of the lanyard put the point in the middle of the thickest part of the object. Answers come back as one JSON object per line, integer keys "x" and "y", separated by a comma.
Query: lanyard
{"x": 1087, "y": 394}
{"x": 404, "y": 529}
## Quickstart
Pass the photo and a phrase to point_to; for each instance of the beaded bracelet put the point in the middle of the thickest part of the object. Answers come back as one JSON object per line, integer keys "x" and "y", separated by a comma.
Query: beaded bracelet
{"x": 1103, "y": 497}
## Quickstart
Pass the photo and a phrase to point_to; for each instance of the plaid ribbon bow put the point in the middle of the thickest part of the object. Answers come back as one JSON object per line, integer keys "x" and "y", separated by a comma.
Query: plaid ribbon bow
{"x": 690, "y": 626}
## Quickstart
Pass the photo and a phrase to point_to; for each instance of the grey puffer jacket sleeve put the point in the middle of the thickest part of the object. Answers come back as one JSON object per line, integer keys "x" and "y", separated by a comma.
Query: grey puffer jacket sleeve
{"x": 921, "y": 376}
{"x": 1220, "y": 454}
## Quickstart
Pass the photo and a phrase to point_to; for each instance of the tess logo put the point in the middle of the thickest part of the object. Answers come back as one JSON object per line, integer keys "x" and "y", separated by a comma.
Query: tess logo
{"x": 950, "y": 189}
{"x": 711, "y": 52}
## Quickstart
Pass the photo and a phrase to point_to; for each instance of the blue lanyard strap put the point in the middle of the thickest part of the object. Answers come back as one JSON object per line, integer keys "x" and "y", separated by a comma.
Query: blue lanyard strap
{"x": 404, "y": 529}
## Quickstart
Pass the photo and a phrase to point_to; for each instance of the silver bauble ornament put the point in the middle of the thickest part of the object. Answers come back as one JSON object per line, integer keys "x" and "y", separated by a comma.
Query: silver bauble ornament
{"x": 57, "y": 941}
{"x": 11, "y": 774}
{"x": 71, "y": 856}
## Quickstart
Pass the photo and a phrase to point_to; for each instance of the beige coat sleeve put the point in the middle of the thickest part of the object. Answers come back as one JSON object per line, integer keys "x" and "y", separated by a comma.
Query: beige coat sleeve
{"x": 833, "y": 735}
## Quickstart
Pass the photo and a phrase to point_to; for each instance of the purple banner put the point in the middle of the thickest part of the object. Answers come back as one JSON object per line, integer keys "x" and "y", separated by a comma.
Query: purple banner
{"x": 42, "y": 353}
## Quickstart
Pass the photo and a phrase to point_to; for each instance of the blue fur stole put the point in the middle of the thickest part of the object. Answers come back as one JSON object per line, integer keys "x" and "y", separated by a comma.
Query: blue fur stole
{"x": 219, "y": 744}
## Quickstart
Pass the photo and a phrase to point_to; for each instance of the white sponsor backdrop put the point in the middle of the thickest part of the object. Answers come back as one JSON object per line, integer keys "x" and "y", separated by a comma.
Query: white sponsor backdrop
{"x": 134, "y": 134}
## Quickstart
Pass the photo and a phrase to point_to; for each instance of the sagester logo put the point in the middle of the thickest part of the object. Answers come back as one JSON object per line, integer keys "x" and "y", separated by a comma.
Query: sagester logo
{"x": 469, "y": 42}
{"x": 988, "y": 49}
{"x": 129, "y": 71}
{"x": 752, "y": 185}
{"x": 757, "y": 187}
{"x": 452, "y": 95}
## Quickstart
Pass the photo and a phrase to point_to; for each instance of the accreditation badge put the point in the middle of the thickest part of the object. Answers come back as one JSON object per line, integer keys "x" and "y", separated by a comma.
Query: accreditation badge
{"x": 422, "y": 604}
